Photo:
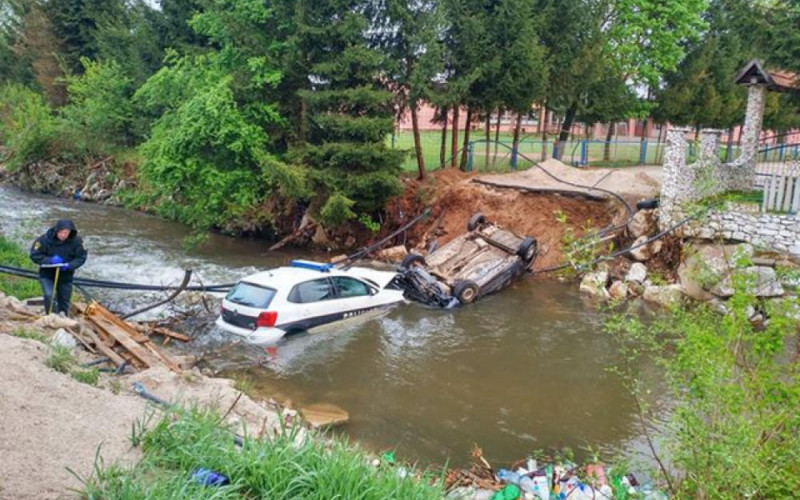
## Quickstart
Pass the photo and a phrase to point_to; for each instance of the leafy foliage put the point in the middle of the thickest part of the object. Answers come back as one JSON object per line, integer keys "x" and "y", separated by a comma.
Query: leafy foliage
{"x": 98, "y": 117}
{"x": 26, "y": 126}
{"x": 733, "y": 428}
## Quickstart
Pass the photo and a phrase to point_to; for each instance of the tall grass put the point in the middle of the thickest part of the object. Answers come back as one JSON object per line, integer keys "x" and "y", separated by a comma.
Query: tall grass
{"x": 12, "y": 255}
{"x": 275, "y": 468}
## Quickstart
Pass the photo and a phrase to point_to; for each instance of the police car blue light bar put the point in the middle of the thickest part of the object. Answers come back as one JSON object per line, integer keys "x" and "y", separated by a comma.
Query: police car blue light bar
{"x": 314, "y": 266}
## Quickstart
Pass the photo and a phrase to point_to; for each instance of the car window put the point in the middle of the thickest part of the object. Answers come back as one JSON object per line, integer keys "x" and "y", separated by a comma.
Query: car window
{"x": 247, "y": 294}
{"x": 349, "y": 287}
{"x": 311, "y": 291}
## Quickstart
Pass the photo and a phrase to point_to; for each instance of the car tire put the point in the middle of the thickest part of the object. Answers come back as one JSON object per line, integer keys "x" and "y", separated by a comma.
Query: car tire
{"x": 528, "y": 249}
{"x": 411, "y": 259}
{"x": 466, "y": 291}
{"x": 475, "y": 221}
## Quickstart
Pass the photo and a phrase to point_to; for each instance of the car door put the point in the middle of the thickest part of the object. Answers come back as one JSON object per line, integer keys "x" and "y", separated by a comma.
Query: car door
{"x": 354, "y": 296}
{"x": 315, "y": 300}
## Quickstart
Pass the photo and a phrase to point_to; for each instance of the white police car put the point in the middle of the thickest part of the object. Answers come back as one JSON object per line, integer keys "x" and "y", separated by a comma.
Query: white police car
{"x": 266, "y": 306}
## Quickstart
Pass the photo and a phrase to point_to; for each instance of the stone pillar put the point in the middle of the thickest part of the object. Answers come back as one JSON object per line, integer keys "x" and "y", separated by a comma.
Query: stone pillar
{"x": 751, "y": 133}
{"x": 676, "y": 178}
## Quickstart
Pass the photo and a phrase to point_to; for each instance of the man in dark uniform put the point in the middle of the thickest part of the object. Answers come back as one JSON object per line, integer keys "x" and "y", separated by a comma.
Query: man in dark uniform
{"x": 58, "y": 252}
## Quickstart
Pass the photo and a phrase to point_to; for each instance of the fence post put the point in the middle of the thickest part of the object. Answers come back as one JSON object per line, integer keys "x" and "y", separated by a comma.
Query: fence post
{"x": 514, "y": 148}
{"x": 470, "y": 154}
{"x": 780, "y": 155}
{"x": 394, "y": 136}
{"x": 584, "y": 153}
{"x": 643, "y": 152}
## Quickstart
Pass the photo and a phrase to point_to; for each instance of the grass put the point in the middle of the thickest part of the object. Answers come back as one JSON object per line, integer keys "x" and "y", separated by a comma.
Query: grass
{"x": 90, "y": 376}
{"x": 29, "y": 333}
{"x": 277, "y": 468}
{"x": 623, "y": 152}
{"x": 242, "y": 383}
{"x": 12, "y": 255}
{"x": 61, "y": 359}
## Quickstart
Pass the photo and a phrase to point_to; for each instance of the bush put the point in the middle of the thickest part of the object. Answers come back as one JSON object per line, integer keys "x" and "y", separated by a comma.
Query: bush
{"x": 97, "y": 119}
{"x": 27, "y": 127}
{"x": 734, "y": 430}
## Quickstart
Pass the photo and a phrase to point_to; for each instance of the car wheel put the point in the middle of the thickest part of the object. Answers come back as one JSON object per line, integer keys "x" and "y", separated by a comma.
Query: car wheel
{"x": 412, "y": 259}
{"x": 475, "y": 221}
{"x": 528, "y": 249}
{"x": 466, "y": 291}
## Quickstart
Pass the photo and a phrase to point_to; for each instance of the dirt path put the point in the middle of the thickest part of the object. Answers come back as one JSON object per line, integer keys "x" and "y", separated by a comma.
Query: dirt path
{"x": 633, "y": 183}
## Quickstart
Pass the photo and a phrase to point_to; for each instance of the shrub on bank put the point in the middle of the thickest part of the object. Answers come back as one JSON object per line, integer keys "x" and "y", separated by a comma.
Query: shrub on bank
{"x": 276, "y": 468}
{"x": 27, "y": 126}
{"x": 12, "y": 255}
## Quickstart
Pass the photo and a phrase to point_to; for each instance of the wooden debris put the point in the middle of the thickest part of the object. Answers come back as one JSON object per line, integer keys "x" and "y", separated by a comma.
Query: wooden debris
{"x": 170, "y": 334}
{"x": 122, "y": 342}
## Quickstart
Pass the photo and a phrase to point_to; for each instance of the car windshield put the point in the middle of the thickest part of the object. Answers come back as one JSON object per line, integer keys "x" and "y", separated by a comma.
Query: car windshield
{"x": 247, "y": 294}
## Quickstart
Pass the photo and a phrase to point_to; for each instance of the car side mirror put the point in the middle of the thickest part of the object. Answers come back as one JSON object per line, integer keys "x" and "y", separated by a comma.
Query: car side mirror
{"x": 373, "y": 291}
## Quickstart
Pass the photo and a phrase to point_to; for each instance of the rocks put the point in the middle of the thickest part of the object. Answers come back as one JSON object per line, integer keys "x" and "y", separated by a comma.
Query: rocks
{"x": 645, "y": 252}
{"x": 643, "y": 223}
{"x": 762, "y": 282}
{"x": 393, "y": 254}
{"x": 320, "y": 237}
{"x": 668, "y": 295}
{"x": 707, "y": 265}
{"x": 637, "y": 273}
{"x": 595, "y": 284}
{"x": 618, "y": 290}
{"x": 64, "y": 338}
{"x": 324, "y": 415}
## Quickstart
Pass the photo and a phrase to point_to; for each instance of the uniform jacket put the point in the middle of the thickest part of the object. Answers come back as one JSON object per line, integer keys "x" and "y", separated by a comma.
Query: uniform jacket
{"x": 48, "y": 245}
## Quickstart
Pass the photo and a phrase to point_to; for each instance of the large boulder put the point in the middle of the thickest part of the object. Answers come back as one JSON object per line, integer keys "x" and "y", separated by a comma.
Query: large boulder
{"x": 647, "y": 251}
{"x": 643, "y": 223}
{"x": 637, "y": 273}
{"x": 762, "y": 282}
{"x": 595, "y": 284}
{"x": 707, "y": 265}
{"x": 668, "y": 295}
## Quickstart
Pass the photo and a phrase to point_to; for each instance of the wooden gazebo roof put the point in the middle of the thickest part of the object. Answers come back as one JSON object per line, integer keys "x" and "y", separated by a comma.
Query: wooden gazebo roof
{"x": 778, "y": 80}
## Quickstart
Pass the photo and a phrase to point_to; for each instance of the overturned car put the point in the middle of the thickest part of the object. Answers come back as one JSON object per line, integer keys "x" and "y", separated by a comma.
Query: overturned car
{"x": 485, "y": 259}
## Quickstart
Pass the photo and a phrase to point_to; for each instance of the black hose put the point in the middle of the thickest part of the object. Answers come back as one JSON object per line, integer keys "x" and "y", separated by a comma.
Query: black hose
{"x": 91, "y": 283}
{"x": 365, "y": 251}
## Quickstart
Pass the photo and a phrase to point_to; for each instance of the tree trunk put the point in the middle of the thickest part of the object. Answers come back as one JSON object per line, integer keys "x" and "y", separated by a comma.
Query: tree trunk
{"x": 488, "y": 137}
{"x": 566, "y": 127}
{"x": 543, "y": 117}
{"x": 454, "y": 138}
{"x": 496, "y": 136}
{"x": 417, "y": 142}
{"x": 515, "y": 144}
{"x": 465, "y": 146}
{"x": 609, "y": 138}
{"x": 444, "y": 112}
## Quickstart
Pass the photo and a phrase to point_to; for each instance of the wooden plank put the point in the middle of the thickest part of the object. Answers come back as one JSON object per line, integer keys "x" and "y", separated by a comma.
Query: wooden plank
{"x": 169, "y": 333}
{"x": 172, "y": 365}
{"x": 796, "y": 200}
{"x": 127, "y": 342}
{"x": 79, "y": 336}
{"x": 781, "y": 192}
{"x": 95, "y": 310}
{"x": 104, "y": 349}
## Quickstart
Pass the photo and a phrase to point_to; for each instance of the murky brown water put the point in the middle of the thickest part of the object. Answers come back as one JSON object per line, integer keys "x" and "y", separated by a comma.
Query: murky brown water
{"x": 522, "y": 370}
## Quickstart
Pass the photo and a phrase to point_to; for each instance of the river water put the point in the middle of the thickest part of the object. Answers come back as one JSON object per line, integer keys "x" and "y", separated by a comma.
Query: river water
{"x": 520, "y": 371}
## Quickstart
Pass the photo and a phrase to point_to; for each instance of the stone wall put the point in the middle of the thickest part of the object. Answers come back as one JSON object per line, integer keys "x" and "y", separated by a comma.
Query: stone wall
{"x": 779, "y": 233}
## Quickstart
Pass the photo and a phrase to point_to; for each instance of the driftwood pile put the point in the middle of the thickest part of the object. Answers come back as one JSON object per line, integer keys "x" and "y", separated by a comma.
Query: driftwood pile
{"x": 124, "y": 344}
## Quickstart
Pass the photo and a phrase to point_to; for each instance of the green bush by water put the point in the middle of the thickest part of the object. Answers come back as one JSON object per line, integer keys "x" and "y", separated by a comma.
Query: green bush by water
{"x": 12, "y": 255}
{"x": 276, "y": 468}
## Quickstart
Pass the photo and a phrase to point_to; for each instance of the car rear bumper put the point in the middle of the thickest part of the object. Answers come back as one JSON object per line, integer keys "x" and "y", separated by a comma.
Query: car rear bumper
{"x": 259, "y": 336}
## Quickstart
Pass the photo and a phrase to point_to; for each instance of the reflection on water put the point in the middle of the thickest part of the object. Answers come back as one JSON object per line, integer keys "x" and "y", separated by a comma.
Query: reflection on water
{"x": 519, "y": 371}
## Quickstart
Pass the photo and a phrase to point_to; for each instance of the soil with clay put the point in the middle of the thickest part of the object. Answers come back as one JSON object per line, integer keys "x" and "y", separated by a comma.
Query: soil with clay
{"x": 51, "y": 424}
{"x": 454, "y": 198}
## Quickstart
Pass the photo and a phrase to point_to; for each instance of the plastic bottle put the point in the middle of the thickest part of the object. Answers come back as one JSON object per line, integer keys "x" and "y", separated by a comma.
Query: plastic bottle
{"x": 541, "y": 487}
{"x": 508, "y": 476}
{"x": 208, "y": 477}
